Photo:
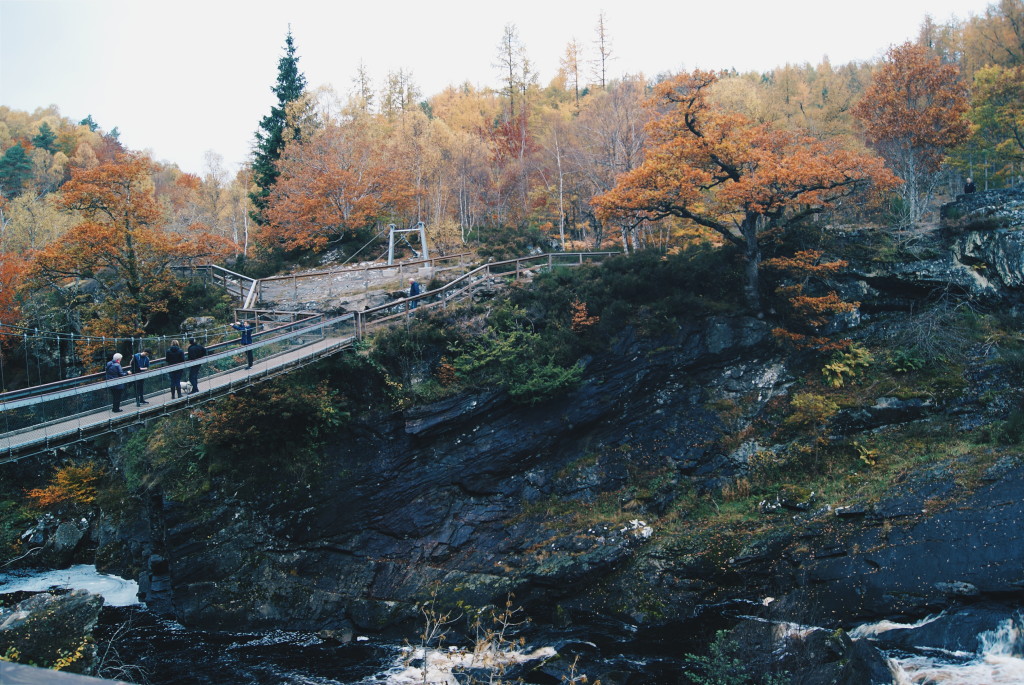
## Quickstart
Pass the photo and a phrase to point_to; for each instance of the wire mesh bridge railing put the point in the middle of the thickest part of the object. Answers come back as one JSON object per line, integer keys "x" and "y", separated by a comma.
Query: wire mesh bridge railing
{"x": 46, "y": 416}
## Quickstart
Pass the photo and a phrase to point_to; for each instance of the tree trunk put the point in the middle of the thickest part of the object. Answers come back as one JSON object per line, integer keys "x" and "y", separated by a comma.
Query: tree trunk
{"x": 752, "y": 226}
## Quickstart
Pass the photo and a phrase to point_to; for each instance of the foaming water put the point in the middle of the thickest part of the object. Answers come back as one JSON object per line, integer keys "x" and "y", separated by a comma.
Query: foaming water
{"x": 439, "y": 667}
{"x": 874, "y": 629}
{"x": 989, "y": 670}
{"x": 115, "y": 591}
{"x": 998, "y": 662}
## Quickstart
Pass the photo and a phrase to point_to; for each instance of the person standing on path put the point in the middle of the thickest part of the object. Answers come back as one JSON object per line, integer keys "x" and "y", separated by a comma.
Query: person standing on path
{"x": 414, "y": 290}
{"x": 140, "y": 365}
{"x": 113, "y": 371}
{"x": 175, "y": 355}
{"x": 195, "y": 351}
{"x": 246, "y": 329}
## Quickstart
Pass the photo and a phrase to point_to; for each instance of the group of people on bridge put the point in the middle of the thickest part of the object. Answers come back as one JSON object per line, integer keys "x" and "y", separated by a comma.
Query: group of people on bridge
{"x": 140, "y": 362}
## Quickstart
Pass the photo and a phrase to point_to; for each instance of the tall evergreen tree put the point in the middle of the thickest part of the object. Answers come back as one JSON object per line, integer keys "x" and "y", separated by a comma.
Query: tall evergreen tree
{"x": 270, "y": 137}
{"x": 46, "y": 139}
{"x": 15, "y": 170}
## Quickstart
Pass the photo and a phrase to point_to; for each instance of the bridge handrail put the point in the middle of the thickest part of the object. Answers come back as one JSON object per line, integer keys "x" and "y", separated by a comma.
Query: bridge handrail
{"x": 58, "y": 418}
{"x": 354, "y": 269}
{"x": 458, "y": 285}
{"x": 17, "y": 398}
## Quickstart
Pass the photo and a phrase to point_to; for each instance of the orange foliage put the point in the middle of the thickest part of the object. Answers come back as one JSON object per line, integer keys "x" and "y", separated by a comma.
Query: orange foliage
{"x": 808, "y": 312}
{"x": 12, "y": 269}
{"x": 916, "y": 106}
{"x": 122, "y": 244}
{"x": 445, "y": 372}
{"x": 723, "y": 171}
{"x": 71, "y": 486}
{"x": 342, "y": 179}
{"x": 581, "y": 321}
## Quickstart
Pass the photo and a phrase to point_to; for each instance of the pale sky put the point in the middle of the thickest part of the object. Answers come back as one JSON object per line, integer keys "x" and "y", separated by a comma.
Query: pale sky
{"x": 184, "y": 77}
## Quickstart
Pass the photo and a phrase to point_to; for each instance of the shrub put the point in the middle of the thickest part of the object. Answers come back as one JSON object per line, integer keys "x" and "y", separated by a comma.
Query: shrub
{"x": 168, "y": 457}
{"x": 810, "y": 409}
{"x": 73, "y": 487}
{"x": 907, "y": 361}
{"x": 868, "y": 455}
{"x": 1012, "y": 430}
{"x": 510, "y": 355}
{"x": 725, "y": 665}
{"x": 280, "y": 418}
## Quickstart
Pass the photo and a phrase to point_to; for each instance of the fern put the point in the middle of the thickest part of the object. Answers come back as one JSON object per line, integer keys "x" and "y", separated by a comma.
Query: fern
{"x": 845, "y": 365}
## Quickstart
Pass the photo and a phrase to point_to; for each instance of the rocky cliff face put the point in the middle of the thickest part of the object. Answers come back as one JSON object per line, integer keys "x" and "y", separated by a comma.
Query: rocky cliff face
{"x": 474, "y": 495}
{"x": 454, "y": 493}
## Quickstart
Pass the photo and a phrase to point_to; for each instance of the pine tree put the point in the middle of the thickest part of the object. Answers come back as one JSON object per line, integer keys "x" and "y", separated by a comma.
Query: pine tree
{"x": 15, "y": 170}
{"x": 270, "y": 137}
{"x": 46, "y": 139}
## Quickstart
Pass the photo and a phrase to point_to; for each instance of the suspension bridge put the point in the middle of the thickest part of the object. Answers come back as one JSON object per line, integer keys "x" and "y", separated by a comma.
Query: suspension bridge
{"x": 49, "y": 415}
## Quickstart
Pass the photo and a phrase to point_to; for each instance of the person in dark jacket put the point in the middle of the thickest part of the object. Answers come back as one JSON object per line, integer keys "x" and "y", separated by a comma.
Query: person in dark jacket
{"x": 113, "y": 371}
{"x": 414, "y": 290}
{"x": 246, "y": 329}
{"x": 139, "y": 366}
{"x": 969, "y": 187}
{"x": 175, "y": 355}
{"x": 195, "y": 351}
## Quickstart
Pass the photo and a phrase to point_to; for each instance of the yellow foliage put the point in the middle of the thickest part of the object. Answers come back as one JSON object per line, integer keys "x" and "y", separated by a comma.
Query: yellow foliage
{"x": 845, "y": 365}
{"x": 810, "y": 410}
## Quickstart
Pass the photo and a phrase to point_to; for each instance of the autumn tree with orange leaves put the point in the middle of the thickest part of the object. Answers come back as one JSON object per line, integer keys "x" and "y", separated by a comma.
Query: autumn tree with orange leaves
{"x": 915, "y": 110}
{"x": 340, "y": 180}
{"x": 122, "y": 245}
{"x": 805, "y": 306}
{"x": 741, "y": 179}
{"x": 12, "y": 271}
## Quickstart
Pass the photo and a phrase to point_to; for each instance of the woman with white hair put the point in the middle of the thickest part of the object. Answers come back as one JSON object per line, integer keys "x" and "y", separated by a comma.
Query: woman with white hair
{"x": 115, "y": 370}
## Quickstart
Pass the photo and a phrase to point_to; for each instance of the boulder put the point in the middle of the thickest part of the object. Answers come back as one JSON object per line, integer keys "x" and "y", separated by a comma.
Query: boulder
{"x": 1000, "y": 208}
{"x": 198, "y": 323}
{"x": 52, "y": 631}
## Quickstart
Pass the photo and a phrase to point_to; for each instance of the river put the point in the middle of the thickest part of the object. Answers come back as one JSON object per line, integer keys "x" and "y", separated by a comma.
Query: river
{"x": 979, "y": 644}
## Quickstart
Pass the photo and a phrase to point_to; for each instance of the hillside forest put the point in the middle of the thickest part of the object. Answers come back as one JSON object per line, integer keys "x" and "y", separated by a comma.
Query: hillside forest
{"x": 89, "y": 230}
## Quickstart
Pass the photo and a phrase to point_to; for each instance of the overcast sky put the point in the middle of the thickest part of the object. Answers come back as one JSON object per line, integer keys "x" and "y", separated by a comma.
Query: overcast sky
{"x": 181, "y": 77}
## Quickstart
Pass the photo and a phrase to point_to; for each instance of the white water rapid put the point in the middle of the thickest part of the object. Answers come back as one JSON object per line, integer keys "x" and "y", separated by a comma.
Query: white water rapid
{"x": 115, "y": 591}
{"x": 998, "y": 661}
{"x": 440, "y": 666}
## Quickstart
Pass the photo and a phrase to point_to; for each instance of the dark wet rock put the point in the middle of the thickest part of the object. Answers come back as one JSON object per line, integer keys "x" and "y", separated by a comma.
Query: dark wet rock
{"x": 52, "y": 630}
{"x": 439, "y": 415}
{"x": 963, "y": 629}
{"x": 851, "y": 511}
{"x": 886, "y": 411}
{"x": 808, "y": 655}
{"x": 441, "y": 486}
{"x": 971, "y": 552}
